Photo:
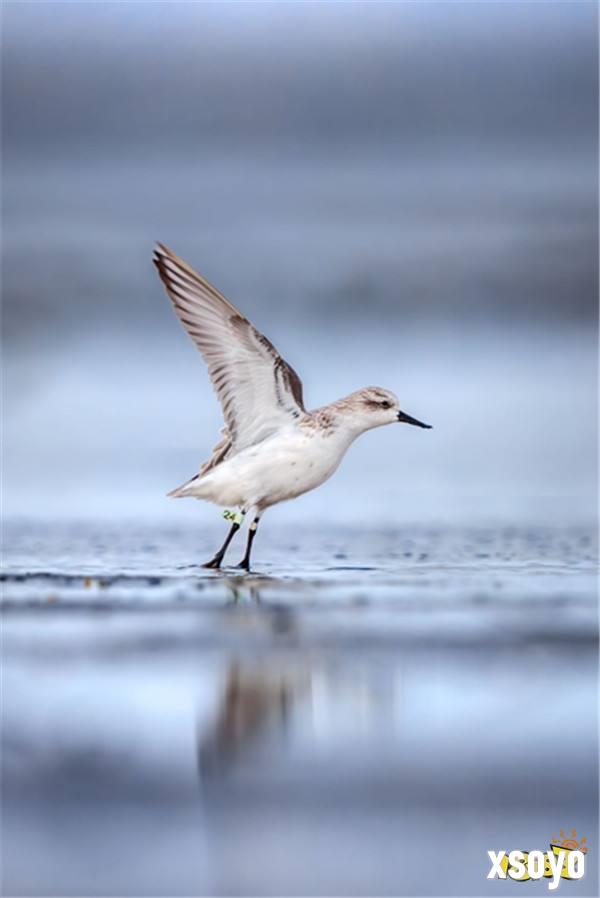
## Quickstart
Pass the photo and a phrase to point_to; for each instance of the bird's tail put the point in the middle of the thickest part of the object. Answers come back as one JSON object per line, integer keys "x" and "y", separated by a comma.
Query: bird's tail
{"x": 184, "y": 490}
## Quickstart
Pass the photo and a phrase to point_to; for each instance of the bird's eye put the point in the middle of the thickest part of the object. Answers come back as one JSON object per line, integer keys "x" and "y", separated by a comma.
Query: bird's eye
{"x": 385, "y": 404}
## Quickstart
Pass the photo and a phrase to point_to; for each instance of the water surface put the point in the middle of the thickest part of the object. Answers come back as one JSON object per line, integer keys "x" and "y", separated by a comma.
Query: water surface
{"x": 367, "y": 713}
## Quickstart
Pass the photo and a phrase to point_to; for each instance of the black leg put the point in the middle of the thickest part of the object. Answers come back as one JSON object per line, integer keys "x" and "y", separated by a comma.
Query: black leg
{"x": 216, "y": 561}
{"x": 245, "y": 562}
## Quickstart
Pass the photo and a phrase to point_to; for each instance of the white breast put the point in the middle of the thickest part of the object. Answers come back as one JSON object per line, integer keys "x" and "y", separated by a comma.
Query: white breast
{"x": 286, "y": 465}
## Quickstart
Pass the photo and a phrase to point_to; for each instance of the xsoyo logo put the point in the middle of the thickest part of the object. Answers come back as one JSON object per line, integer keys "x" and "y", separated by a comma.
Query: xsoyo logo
{"x": 565, "y": 859}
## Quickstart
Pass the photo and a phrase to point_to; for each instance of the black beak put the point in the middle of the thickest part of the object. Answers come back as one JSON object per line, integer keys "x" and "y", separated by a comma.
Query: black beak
{"x": 407, "y": 419}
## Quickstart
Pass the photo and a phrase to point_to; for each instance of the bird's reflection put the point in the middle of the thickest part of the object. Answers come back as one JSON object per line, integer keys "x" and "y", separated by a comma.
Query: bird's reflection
{"x": 250, "y": 588}
{"x": 256, "y": 699}
{"x": 257, "y": 691}
{"x": 242, "y": 588}
{"x": 292, "y": 703}
{"x": 297, "y": 737}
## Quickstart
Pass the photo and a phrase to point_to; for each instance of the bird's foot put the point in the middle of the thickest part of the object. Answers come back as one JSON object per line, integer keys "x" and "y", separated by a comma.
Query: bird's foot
{"x": 244, "y": 565}
{"x": 214, "y": 563}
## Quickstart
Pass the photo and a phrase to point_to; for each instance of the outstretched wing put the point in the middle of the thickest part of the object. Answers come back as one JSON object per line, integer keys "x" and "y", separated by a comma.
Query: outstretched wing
{"x": 258, "y": 391}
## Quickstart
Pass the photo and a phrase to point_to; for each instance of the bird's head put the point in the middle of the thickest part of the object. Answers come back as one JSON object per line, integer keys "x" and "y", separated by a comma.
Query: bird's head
{"x": 375, "y": 406}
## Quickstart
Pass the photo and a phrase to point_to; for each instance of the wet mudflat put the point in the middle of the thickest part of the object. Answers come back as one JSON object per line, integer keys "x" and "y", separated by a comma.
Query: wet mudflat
{"x": 367, "y": 713}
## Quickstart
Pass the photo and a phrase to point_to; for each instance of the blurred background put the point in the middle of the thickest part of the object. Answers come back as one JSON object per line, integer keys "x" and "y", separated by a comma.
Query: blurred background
{"x": 402, "y": 194}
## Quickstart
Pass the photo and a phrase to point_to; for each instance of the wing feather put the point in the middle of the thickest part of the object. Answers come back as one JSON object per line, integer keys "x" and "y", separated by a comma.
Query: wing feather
{"x": 258, "y": 390}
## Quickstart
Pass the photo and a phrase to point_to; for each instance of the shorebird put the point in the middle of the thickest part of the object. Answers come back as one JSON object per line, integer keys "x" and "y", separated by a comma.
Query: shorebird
{"x": 272, "y": 449}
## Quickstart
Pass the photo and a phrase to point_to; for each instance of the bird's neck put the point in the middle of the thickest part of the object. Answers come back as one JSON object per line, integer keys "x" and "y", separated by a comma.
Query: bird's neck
{"x": 338, "y": 422}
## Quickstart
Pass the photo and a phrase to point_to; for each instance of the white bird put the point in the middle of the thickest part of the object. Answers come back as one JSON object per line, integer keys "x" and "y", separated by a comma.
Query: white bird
{"x": 273, "y": 449}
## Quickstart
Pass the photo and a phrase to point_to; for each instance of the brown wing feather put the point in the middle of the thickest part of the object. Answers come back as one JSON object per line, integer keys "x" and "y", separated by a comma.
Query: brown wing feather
{"x": 219, "y": 452}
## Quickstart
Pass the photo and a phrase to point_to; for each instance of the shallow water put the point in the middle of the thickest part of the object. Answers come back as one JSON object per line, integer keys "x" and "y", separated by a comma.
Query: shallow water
{"x": 367, "y": 713}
